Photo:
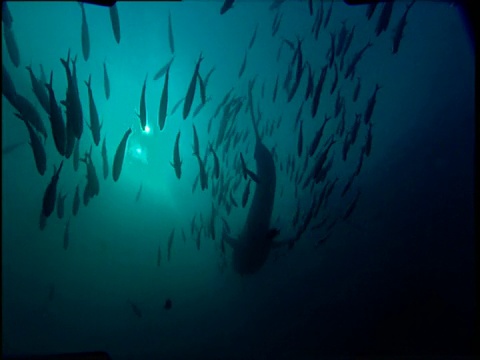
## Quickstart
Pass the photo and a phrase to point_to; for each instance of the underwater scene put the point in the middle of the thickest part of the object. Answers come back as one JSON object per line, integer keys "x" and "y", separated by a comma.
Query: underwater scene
{"x": 237, "y": 179}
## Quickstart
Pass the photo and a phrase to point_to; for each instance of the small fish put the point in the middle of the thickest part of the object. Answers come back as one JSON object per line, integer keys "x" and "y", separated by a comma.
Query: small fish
{"x": 332, "y": 50}
{"x": 56, "y": 120}
{"x": 310, "y": 86}
{"x": 200, "y": 107}
{"x": 371, "y": 9}
{"x": 12, "y": 47}
{"x": 85, "y": 35}
{"x": 196, "y": 144}
{"x": 384, "y": 18}
{"x": 356, "y": 91}
{"x": 177, "y": 163}
{"x": 73, "y": 106}
{"x": 371, "y": 105}
{"x": 398, "y": 32}
{"x": 227, "y": 5}
{"x": 94, "y": 125}
{"x": 170, "y": 33}
{"x": 106, "y": 81}
{"x": 162, "y": 112}
{"x": 187, "y": 105}
{"x": 202, "y": 173}
{"x": 253, "y": 176}
{"x": 243, "y": 65}
{"x": 105, "y": 159}
{"x": 335, "y": 80}
{"x": 120, "y": 155}
{"x": 176, "y": 106}
{"x": 318, "y": 91}
{"x": 368, "y": 143}
{"x": 143, "y": 106}
{"x": 300, "y": 140}
{"x": 39, "y": 90}
{"x": 275, "y": 89}
{"x": 163, "y": 69}
{"x": 216, "y": 167}
{"x": 355, "y": 59}
{"x": 168, "y": 304}
{"x": 50, "y": 195}
{"x": 244, "y": 167}
{"x": 328, "y": 15}
{"x": 114, "y": 19}
{"x": 28, "y": 112}
{"x": 202, "y": 89}
{"x": 7, "y": 19}
{"x": 207, "y": 77}
{"x": 254, "y": 36}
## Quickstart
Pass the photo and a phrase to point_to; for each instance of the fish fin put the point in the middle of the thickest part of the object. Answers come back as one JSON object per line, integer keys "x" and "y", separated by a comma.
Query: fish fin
{"x": 74, "y": 60}
{"x": 253, "y": 176}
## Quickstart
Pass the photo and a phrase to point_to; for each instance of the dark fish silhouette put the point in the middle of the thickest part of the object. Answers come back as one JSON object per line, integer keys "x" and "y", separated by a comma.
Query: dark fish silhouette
{"x": 120, "y": 156}
{"x": 115, "y": 22}
{"x": 85, "y": 35}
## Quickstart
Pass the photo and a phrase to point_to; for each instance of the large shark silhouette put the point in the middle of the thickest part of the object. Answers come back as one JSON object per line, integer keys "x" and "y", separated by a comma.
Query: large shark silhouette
{"x": 251, "y": 248}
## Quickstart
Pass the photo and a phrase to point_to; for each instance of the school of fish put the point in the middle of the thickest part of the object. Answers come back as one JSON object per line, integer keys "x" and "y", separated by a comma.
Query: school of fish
{"x": 235, "y": 165}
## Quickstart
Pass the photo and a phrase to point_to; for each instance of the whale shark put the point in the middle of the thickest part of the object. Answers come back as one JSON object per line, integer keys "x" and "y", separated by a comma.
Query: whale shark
{"x": 256, "y": 239}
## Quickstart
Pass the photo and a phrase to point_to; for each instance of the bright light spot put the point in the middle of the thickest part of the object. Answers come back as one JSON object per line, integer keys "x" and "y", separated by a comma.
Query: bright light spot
{"x": 147, "y": 129}
{"x": 139, "y": 150}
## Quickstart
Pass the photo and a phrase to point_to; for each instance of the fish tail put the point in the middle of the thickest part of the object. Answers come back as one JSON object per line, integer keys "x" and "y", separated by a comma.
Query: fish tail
{"x": 88, "y": 83}
{"x": 50, "y": 84}
{"x": 65, "y": 62}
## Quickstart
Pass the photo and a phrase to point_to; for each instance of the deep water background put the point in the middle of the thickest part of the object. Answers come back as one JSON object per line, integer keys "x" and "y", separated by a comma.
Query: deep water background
{"x": 397, "y": 278}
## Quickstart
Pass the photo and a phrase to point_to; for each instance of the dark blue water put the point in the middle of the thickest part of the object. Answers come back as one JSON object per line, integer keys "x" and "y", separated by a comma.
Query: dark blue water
{"x": 395, "y": 278}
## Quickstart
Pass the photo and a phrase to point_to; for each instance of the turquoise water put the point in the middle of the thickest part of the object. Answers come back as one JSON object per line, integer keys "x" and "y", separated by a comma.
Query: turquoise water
{"x": 395, "y": 278}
